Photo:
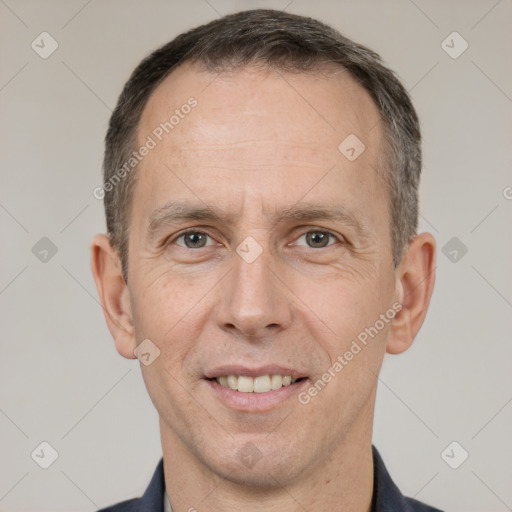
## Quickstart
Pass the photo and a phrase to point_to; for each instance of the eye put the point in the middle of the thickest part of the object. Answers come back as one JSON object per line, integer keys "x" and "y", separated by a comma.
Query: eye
{"x": 193, "y": 239}
{"x": 317, "y": 239}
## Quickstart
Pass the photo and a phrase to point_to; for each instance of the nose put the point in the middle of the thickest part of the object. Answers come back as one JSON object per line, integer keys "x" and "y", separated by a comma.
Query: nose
{"x": 255, "y": 302}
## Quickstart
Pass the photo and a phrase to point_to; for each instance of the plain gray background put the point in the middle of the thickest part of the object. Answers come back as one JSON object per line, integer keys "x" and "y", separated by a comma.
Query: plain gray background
{"x": 62, "y": 380}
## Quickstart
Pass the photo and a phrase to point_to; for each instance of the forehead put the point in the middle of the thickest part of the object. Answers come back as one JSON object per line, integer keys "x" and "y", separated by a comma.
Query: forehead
{"x": 319, "y": 108}
{"x": 255, "y": 126}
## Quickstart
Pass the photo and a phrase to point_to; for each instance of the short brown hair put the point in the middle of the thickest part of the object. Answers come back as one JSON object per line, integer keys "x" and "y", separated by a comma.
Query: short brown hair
{"x": 285, "y": 42}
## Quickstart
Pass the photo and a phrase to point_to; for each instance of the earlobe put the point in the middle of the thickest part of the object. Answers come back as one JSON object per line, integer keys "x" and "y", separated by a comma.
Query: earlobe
{"x": 415, "y": 282}
{"x": 114, "y": 295}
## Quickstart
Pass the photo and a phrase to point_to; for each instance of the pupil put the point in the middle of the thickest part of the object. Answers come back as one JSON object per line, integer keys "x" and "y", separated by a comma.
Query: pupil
{"x": 318, "y": 238}
{"x": 195, "y": 239}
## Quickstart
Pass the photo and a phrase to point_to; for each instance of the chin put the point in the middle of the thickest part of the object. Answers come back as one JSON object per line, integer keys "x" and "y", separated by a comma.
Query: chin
{"x": 256, "y": 462}
{"x": 263, "y": 475}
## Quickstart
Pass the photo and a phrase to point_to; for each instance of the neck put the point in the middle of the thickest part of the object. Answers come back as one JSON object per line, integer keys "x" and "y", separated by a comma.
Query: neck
{"x": 343, "y": 482}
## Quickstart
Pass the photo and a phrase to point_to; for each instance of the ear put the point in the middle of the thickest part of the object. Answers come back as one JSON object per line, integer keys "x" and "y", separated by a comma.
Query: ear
{"x": 114, "y": 294}
{"x": 415, "y": 278}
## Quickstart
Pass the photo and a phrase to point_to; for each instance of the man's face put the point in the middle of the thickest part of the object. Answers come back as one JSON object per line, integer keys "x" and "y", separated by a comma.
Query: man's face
{"x": 271, "y": 286}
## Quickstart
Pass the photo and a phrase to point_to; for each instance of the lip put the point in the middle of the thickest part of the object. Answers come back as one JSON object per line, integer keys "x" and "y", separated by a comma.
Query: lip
{"x": 238, "y": 370}
{"x": 255, "y": 402}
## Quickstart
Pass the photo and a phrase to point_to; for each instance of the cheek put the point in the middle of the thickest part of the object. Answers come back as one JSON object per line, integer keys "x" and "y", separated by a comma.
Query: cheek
{"x": 167, "y": 313}
{"x": 346, "y": 302}
{"x": 359, "y": 315}
{"x": 345, "y": 388}
{"x": 162, "y": 298}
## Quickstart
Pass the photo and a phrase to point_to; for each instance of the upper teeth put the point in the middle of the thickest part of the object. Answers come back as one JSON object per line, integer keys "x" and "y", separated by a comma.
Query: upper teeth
{"x": 260, "y": 384}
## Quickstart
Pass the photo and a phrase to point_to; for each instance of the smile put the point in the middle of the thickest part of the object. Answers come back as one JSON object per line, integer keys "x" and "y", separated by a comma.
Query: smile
{"x": 250, "y": 389}
{"x": 259, "y": 384}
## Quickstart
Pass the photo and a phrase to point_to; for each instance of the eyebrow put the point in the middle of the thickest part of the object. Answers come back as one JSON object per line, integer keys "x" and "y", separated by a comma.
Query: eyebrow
{"x": 176, "y": 212}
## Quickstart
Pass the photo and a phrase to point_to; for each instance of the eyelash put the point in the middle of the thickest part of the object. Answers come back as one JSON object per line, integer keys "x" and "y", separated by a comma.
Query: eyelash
{"x": 339, "y": 238}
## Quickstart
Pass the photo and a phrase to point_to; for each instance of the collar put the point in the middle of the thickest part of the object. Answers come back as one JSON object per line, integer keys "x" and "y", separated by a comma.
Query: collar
{"x": 387, "y": 496}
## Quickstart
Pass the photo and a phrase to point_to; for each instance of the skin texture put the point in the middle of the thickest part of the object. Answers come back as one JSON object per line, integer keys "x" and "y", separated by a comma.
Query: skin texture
{"x": 259, "y": 142}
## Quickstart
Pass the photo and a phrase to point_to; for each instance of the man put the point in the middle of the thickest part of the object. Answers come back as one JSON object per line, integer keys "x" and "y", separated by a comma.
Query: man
{"x": 261, "y": 176}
